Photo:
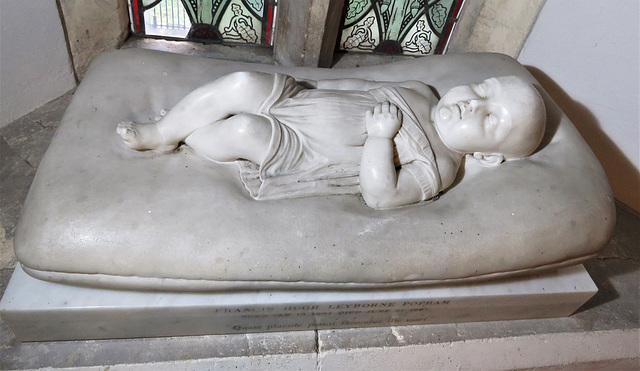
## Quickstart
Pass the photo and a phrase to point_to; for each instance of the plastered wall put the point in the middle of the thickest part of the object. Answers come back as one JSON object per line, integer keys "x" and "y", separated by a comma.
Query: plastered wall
{"x": 585, "y": 54}
{"x": 34, "y": 61}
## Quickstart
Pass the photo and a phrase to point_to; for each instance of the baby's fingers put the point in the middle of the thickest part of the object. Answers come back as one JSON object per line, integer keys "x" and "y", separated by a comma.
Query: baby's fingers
{"x": 369, "y": 114}
{"x": 376, "y": 109}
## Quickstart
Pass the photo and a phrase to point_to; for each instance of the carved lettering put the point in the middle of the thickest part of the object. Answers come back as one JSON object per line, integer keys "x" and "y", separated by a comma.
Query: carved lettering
{"x": 302, "y": 307}
{"x": 247, "y": 328}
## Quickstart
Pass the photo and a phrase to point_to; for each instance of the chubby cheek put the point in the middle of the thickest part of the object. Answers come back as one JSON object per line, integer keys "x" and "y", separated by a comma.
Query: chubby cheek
{"x": 467, "y": 126}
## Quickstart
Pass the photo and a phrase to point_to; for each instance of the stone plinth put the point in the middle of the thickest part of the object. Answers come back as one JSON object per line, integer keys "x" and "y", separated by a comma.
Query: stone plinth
{"x": 37, "y": 310}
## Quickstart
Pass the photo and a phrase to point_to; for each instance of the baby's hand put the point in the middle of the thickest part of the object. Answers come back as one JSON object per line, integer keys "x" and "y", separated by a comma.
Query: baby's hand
{"x": 384, "y": 120}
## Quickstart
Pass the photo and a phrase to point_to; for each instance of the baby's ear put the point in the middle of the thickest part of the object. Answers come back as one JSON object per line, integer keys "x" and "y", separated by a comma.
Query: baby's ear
{"x": 488, "y": 160}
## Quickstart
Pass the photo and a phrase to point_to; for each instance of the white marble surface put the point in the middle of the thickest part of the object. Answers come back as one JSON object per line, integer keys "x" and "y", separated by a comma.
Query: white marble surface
{"x": 99, "y": 213}
{"x": 40, "y": 310}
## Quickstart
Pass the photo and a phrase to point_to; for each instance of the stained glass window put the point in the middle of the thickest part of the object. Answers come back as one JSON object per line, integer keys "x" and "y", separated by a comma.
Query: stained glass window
{"x": 212, "y": 21}
{"x": 414, "y": 27}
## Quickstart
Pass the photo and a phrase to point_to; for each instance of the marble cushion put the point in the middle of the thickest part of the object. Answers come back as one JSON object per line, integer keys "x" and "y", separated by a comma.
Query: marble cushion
{"x": 99, "y": 213}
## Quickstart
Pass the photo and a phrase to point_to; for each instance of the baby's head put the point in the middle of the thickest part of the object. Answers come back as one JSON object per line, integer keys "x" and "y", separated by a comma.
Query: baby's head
{"x": 497, "y": 119}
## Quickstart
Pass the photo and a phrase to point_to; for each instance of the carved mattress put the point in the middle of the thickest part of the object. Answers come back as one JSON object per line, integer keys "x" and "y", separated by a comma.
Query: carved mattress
{"x": 101, "y": 214}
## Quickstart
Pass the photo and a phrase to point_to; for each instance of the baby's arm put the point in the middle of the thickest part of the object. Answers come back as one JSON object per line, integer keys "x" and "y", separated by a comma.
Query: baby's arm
{"x": 382, "y": 185}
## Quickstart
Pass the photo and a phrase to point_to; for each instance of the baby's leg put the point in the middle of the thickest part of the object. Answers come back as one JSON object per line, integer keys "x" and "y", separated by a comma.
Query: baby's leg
{"x": 240, "y": 92}
{"x": 243, "y": 136}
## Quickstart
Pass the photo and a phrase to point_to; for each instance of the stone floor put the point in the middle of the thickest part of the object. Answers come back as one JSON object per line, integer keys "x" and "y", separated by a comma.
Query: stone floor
{"x": 602, "y": 334}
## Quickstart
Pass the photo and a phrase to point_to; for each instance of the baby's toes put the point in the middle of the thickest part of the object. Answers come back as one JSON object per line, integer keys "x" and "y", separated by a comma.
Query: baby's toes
{"x": 127, "y": 131}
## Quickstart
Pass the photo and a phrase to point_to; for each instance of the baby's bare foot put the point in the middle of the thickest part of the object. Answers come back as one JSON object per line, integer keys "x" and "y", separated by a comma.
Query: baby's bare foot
{"x": 143, "y": 137}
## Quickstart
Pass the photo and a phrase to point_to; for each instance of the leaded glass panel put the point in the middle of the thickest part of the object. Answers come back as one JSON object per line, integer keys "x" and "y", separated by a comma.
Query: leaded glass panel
{"x": 228, "y": 21}
{"x": 414, "y": 27}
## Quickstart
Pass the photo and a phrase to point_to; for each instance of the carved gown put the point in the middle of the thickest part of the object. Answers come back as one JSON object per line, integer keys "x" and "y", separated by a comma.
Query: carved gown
{"x": 317, "y": 140}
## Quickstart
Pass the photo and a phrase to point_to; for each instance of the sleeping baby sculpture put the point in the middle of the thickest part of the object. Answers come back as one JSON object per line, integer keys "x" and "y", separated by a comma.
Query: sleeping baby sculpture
{"x": 394, "y": 143}
{"x": 138, "y": 205}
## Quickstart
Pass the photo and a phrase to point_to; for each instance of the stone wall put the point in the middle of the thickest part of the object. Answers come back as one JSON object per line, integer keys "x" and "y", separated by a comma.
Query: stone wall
{"x": 500, "y": 26}
{"x": 93, "y": 27}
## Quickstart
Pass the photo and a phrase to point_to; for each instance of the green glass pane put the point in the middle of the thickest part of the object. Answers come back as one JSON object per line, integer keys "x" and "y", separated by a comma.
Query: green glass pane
{"x": 396, "y": 26}
{"x": 255, "y": 5}
{"x": 438, "y": 14}
{"x": 229, "y": 21}
{"x": 356, "y": 9}
{"x": 238, "y": 25}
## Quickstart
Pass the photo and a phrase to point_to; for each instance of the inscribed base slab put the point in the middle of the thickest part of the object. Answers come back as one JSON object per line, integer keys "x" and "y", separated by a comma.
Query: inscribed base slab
{"x": 40, "y": 311}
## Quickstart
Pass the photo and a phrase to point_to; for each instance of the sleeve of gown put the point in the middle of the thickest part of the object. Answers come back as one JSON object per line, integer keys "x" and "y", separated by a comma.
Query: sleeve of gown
{"x": 426, "y": 176}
